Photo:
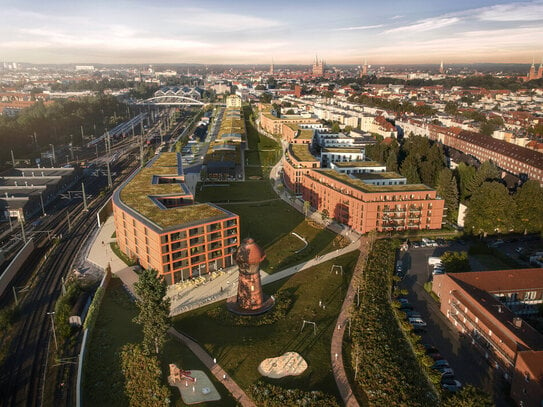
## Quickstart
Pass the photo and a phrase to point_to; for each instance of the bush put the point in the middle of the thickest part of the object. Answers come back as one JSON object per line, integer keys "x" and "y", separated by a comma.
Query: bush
{"x": 269, "y": 395}
{"x": 283, "y": 302}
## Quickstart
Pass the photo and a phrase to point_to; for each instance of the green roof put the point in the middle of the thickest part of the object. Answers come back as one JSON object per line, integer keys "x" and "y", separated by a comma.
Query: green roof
{"x": 137, "y": 194}
{"x": 357, "y": 150}
{"x": 306, "y": 134}
{"x": 358, "y": 164}
{"x": 301, "y": 152}
{"x": 362, "y": 186}
{"x": 378, "y": 175}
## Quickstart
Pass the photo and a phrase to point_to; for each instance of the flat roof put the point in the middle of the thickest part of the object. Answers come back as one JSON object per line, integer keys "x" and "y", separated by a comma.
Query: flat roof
{"x": 137, "y": 192}
{"x": 352, "y": 150}
{"x": 362, "y": 186}
{"x": 378, "y": 175}
{"x": 306, "y": 134}
{"x": 361, "y": 164}
{"x": 301, "y": 152}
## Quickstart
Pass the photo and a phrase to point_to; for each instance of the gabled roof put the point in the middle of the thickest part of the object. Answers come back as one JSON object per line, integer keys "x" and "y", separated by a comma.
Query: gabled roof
{"x": 503, "y": 280}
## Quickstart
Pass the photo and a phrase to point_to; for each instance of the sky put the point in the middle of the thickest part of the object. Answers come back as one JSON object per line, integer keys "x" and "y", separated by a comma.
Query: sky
{"x": 257, "y": 32}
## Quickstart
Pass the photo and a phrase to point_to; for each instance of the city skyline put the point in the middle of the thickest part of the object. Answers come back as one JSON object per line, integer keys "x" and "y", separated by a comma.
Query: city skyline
{"x": 245, "y": 32}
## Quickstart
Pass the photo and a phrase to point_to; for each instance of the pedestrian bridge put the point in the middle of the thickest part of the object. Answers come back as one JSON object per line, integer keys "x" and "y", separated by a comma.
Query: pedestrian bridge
{"x": 170, "y": 100}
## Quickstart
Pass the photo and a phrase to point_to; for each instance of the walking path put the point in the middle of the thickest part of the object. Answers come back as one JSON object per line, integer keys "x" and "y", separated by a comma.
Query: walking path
{"x": 215, "y": 369}
{"x": 336, "y": 349}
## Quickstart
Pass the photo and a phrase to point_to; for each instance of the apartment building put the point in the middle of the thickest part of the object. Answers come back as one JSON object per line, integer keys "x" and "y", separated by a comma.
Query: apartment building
{"x": 487, "y": 306}
{"x": 158, "y": 223}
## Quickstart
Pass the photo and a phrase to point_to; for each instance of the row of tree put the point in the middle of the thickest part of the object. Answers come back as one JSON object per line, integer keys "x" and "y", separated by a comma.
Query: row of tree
{"x": 60, "y": 122}
{"x": 417, "y": 158}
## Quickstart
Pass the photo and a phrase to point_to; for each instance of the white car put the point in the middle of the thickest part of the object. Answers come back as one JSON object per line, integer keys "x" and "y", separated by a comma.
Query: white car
{"x": 416, "y": 322}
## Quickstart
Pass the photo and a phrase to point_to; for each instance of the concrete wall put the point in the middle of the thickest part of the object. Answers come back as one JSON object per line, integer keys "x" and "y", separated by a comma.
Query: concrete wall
{"x": 15, "y": 265}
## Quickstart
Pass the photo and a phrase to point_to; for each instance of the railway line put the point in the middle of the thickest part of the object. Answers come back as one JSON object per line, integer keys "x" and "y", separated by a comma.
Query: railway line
{"x": 24, "y": 370}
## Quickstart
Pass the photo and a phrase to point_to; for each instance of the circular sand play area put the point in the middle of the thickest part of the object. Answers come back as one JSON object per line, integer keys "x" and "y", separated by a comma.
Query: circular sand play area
{"x": 288, "y": 364}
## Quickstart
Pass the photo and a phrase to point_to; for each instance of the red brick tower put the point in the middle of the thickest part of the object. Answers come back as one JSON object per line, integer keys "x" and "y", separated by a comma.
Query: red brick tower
{"x": 250, "y": 300}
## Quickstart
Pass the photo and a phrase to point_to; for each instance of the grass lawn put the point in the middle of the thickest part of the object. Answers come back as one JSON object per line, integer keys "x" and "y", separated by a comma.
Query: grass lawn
{"x": 235, "y": 191}
{"x": 271, "y": 223}
{"x": 239, "y": 350}
{"x": 103, "y": 381}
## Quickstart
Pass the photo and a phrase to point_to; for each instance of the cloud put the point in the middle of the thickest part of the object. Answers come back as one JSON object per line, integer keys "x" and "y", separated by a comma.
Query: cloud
{"x": 361, "y": 27}
{"x": 425, "y": 25}
{"x": 532, "y": 11}
{"x": 395, "y": 17}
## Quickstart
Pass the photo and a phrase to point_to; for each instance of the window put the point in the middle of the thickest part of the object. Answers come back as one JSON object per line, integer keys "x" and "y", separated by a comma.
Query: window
{"x": 530, "y": 295}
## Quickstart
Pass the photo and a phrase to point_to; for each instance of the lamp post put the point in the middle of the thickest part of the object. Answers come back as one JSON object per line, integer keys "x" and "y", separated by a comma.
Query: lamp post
{"x": 51, "y": 314}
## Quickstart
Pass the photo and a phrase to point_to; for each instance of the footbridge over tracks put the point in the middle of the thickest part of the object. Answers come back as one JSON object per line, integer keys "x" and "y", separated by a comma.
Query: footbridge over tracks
{"x": 170, "y": 100}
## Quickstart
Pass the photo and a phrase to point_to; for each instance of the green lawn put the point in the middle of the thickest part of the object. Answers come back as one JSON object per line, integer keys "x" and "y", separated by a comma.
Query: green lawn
{"x": 235, "y": 191}
{"x": 270, "y": 222}
{"x": 103, "y": 381}
{"x": 239, "y": 350}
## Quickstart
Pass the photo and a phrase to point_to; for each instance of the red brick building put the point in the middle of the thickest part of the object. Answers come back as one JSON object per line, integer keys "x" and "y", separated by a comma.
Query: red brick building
{"x": 158, "y": 223}
{"x": 509, "y": 157}
{"x": 486, "y": 306}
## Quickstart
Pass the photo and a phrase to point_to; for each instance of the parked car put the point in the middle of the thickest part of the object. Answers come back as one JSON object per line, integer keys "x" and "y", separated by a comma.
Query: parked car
{"x": 429, "y": 348}
{"x": 403, "y": 301}
{"x": 443, "y": 369}
{"x": 406, "y": 307}
{"x": 416, "y": 322}
{"x": 450, "y": 384}
{"x": 438, "y": 270}
{"x": 441, "y": 242}
{"x": 412, "y": 313}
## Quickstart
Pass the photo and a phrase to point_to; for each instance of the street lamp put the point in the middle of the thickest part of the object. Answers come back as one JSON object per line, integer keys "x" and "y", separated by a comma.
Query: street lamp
{"x": 51, "y": 314}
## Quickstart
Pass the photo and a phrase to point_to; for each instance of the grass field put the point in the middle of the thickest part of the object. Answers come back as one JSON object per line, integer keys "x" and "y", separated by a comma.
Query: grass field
{"x": 103, "y": 381}
{"x": 239, "y": 350}
{"x": 270, "y": 221}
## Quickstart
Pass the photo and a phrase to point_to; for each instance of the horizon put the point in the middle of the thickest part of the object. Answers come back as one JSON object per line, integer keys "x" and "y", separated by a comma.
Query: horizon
{"x": 242, "y": 32}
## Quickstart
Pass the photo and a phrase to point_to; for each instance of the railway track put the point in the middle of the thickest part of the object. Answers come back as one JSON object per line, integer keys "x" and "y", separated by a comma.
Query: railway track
{"x": 24, "y": 370}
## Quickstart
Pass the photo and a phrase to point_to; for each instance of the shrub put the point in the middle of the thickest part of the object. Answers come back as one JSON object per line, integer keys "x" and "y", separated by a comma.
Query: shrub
{"x": 269, "y": 395}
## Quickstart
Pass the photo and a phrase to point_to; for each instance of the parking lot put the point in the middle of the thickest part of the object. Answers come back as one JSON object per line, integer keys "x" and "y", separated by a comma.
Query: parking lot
{"x": 470, "y": 366}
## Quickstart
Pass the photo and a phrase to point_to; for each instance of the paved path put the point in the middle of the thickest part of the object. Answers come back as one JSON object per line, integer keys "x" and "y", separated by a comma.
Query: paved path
{"x": 336, "y": 349}
{"x": 215, "y": 369}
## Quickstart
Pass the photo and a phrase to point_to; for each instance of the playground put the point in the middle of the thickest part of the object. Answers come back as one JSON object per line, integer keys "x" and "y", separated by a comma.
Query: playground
{"x": 194, "y": 385}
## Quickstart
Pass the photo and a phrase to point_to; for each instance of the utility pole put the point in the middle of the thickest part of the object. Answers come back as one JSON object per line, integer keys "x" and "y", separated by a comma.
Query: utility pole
{"x": 23, "y": 234}
{"x": 69, "y": 221}
{"x": 51, "y": 314}
{"x": 84, "y": 197}
{"x": 12, "y": 159}
{"x": 82, "y": 134}
{"x": 42, "y": 206}
{"x": 53, "y": 154}
{"x": 109, "y": 181}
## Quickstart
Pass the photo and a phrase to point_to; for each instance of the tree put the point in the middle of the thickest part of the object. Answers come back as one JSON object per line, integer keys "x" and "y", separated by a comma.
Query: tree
{"x": 469, "y": 396}
{"x": 392, "y": 161}
{"x": 335, "y": 127}
{"x": 491, "y": 209}
{"x": 486, "y": 172}
{"x": 455, "y": 262}
{"x": 447, "y": 188}
{"x": 409, "y": 169}
{"x": 451, "y": 108}
{"x": 465, "y": 174}
{"x": 325, "y": 215}
{"x": 143, "y": 378}
{"x": 154, "y": 310}
{"x": 529, "y": 201}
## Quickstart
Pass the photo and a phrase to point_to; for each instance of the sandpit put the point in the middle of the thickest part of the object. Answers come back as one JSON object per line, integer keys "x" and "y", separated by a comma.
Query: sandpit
{"x": 196, "y": 392}
{"x": 288, "y": 364}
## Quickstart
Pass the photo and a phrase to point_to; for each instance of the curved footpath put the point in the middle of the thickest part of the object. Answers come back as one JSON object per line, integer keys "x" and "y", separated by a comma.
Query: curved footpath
{"x": 214, "y": 368}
